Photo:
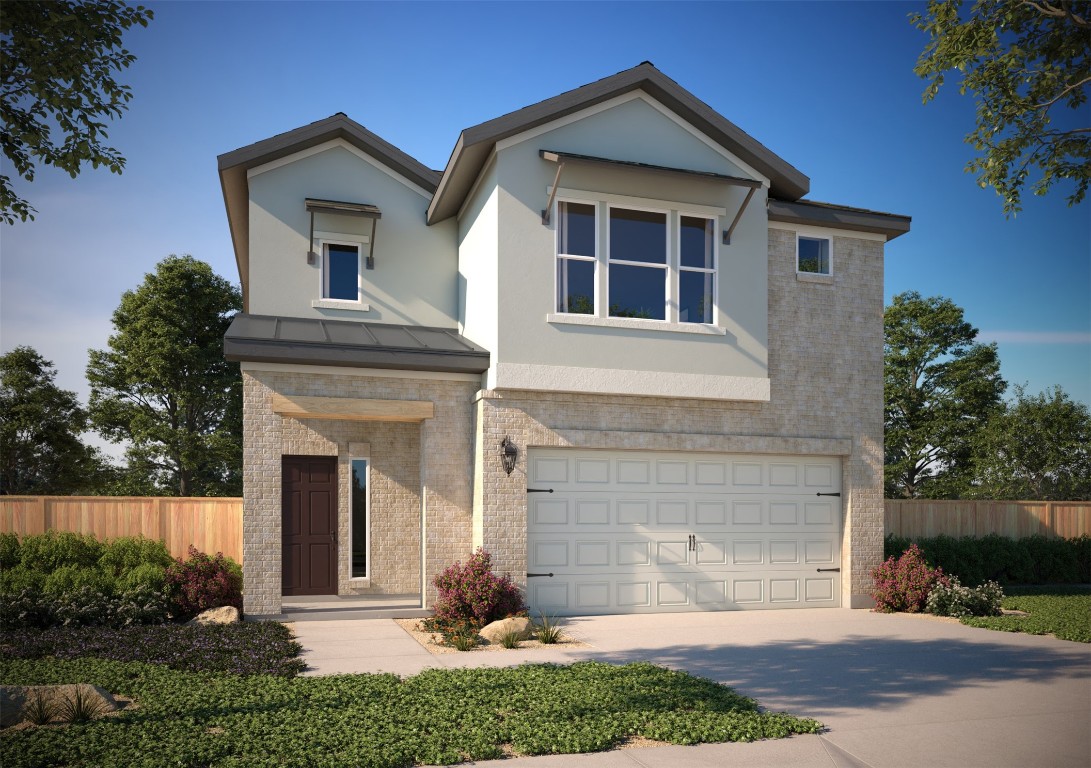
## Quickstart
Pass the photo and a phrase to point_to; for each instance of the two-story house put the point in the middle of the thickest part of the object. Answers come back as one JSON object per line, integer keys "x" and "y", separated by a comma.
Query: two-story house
{"x": 610, "y": 343}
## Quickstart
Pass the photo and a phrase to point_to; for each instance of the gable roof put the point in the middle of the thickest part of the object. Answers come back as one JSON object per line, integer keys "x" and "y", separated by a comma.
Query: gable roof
{"x": 234, "y": 165}
{"x": 474, "y": 144}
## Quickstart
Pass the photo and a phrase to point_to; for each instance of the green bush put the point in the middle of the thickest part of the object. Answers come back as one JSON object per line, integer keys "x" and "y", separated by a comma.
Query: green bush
{"x": 19, "y": 578}
{"x": 147, "y": 576}
{"x": 128, "y": 553}
{"x": 46, "y": 552}
{"x": 82, "y": 606}
{"x": 73, "y": 578}
{"x": 9, "y": 550}
{"x": 1032, "y": 560}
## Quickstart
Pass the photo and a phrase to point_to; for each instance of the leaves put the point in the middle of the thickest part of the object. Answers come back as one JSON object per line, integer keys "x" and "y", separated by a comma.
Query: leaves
{"x": 1021, "y": 61}
{"x": 58, "y": 62}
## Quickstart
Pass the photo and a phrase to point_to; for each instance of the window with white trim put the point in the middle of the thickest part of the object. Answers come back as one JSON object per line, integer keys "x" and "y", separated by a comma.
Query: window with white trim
{"x": 342, "y": 269}
{"x": 696, "y": 269}
{"x": 813, "y": 254}
{"x": 360, "y": 521}
{"x": 638, "y": 275}
{"x": 577, "y": 257}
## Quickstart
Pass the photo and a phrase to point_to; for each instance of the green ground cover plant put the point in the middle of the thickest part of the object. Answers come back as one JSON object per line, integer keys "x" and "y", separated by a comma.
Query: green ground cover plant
{"x": 1064, "y": 612}
{"x": 440, "y": 716}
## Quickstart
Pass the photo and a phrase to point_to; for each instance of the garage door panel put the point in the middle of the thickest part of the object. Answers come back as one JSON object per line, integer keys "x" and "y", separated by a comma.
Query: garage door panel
{"x": 659, "y": 532}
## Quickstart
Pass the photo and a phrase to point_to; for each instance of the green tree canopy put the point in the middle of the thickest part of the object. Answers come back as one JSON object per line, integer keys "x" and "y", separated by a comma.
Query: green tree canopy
{"x": 1022, "y": 61}
{"x": 57, "y": 65}
{"x": 1039, "y": 447}
{"x": 40, "y": 423}
{"x": 164, "y": 386}
{"x": 941, "y": 387}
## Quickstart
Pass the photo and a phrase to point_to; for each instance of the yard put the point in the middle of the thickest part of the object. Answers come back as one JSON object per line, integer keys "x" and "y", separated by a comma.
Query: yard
{"x": 1061, "y": 611}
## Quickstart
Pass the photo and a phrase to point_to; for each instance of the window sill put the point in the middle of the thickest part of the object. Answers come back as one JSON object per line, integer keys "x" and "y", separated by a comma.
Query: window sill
{"x": 636, "y": 324}
{"x": 351, "y": 306}
{"x": 811, "y": 277}
{"x": 360, "y": 583}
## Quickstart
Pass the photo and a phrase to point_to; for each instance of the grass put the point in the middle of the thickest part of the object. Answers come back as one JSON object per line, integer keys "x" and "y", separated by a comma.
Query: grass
{"x": 1064, "y": 612}
{"x": 437, "y": 717}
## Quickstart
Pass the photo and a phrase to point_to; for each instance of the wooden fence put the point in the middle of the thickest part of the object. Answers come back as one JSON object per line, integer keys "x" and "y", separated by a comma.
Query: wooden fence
{"x": 210, "y": 524}
{"x": 923, "y": 518}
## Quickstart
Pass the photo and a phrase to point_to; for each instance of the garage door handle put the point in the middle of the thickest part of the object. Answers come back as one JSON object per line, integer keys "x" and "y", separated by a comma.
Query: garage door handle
{"x": 828, "y": 570}
{"x": 828, "y": 494}
{"x": 533, "y": 575}
{"x": 539, "y": 490}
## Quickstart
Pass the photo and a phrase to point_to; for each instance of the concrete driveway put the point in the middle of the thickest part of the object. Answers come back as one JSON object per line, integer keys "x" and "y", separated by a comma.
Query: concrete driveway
{"x": 893, "y": 690}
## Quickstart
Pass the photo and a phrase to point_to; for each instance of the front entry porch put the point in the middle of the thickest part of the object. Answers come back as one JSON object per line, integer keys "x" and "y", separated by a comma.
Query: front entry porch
{"x": 341, "y": 607}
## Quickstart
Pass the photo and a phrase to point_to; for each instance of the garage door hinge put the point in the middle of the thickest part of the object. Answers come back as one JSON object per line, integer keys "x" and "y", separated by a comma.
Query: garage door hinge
{"x": 532, "y": 575}
{"x": 828, "y": 570}
{"x": 828, "y": 494}
{"x": 539, "y": 490}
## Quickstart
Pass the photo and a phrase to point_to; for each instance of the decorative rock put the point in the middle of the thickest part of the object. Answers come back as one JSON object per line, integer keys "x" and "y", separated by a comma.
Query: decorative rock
{"x": 14, "y": 699}
{"x": 493, "y": 632}
{"x": 227, "y": 614}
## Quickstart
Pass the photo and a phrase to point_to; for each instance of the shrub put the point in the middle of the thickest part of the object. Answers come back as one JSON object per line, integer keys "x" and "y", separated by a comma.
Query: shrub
{"x": 72, "y": 578}
{"x": 9, "y": 551}
{"x": 46, "y": 552}
{"x": 1031, "y": 560}
{"x": 953, "y": 599}
{"x": 903, "y": 584}
{"x": 17, "y": 579}
{"x": 144, "y": 576}
{"x": 127, "y": 553}
{"x": 473, "y": 594}
{"x": 85, "y": 606}
{"x": 203, "y": 582}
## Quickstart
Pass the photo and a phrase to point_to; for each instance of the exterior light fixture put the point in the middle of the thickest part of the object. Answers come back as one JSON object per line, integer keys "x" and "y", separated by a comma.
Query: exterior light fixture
{"x": 509, "y": 453}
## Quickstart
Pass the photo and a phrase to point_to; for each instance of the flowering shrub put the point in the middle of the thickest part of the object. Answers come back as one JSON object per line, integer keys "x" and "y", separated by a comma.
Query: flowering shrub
{"x": 903, "y": 584}
{"x": 953, "y": 599}
{"x": 203, "y": 582}
{"x": 472, "y": 594}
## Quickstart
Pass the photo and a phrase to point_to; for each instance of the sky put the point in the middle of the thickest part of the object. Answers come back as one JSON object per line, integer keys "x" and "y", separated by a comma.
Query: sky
{"x": 827, "y": 86}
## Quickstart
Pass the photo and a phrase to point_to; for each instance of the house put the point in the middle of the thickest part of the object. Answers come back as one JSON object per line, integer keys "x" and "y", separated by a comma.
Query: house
{"x": 610, "y": 343}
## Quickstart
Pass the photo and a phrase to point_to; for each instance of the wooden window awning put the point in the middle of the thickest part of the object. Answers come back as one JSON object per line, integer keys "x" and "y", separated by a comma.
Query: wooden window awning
{"x": 352, "y": 409}
{"x": 314, "y": 205}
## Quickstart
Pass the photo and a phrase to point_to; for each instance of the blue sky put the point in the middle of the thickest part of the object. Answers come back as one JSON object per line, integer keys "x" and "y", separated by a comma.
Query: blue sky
{"x": 827, "y": 86}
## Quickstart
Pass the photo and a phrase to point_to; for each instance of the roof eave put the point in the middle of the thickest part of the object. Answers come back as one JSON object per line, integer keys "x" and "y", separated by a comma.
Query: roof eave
{"x": 890, "y": 225}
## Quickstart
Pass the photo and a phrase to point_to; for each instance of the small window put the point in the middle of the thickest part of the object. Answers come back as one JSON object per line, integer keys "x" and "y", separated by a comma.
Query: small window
{"x": 638, "y": 264}
{"x": 360, "y": 522}
{"x": 697, "y": 270}
{"x": 341, "y": 272}
{"x": 576, "y": 235}
{"x": 814, "y": 255}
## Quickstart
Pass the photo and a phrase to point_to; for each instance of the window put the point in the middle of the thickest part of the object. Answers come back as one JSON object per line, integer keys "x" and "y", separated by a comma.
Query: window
{"x": 813, "y": 254}
{"x": 638, "y": 264}
{"x": 696, "y": 269}
{"x": 576, "y": 258}
{"x": 360, "y": 524}
{"x": 341, "y": 271}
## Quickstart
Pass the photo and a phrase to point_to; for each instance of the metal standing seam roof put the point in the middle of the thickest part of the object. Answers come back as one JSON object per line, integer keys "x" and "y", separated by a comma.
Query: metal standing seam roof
{"x": 348, "y": 343}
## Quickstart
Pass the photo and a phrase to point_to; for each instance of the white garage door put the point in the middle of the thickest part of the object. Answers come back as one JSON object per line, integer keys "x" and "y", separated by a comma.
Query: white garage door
{"x": 637, "y": 532}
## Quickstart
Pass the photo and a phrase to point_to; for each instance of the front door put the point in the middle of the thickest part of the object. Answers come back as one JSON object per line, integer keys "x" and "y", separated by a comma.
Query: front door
{"x": 309, "y": 508}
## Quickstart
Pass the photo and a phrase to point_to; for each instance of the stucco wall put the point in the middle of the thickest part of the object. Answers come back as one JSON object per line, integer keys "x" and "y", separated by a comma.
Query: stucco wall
{"x": 825, "y": 363}
{"x": 414, "y": 279}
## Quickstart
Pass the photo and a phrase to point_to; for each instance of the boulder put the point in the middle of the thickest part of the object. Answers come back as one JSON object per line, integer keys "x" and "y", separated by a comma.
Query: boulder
{"x": 14, "y": 699}
{"x": 493, "y": 632}
{"x": 227, "y": 614}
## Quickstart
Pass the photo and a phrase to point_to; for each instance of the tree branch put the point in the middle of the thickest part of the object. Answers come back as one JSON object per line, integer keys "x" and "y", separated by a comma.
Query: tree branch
{"x": 1061, "y": 95}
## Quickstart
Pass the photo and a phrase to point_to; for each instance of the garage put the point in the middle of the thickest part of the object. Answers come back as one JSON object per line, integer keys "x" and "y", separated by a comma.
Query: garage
{"x": 644, "y": 532}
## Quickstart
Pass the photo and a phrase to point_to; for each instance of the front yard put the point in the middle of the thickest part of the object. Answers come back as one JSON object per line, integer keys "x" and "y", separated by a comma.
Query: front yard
{"x": 189, "y": 711}
{"x": 1062, "y": 611}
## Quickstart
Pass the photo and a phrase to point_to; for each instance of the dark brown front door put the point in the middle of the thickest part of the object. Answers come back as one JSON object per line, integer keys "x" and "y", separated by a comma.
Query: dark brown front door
{"x": 309, "y": 507}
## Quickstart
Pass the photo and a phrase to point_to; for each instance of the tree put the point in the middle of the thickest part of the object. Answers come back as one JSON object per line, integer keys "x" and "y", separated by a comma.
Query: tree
{"x": 57, "y": 66}
{"x": 1021, "y": 60}
{"x": 941, "y": 387}
{"x": 164, "y": 386}
{"x": 1039, "y": 447}
{"x": 40, "y": 423}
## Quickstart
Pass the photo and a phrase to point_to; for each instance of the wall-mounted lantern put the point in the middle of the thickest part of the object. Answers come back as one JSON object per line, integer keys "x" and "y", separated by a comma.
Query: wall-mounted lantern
{"x": 509, "y": 453}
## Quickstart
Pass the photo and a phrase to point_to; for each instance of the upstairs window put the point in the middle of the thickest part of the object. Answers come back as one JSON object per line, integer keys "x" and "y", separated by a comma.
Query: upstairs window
{"x": 576, "y": 258}
{"x": 341, "y": 271}
{"x": 638, "y": 264}
{"x": 696, "y": 269}
{"x": 813, "y": 255}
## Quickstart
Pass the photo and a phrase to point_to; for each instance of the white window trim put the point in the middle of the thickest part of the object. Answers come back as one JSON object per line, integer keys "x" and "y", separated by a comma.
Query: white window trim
{"x": 715, "y": 271}
{"x": 359, "y": 580}
{"x": 668, "y": 309}
{"x": 323, "y": 239}
{"x": 810, "y": 236}
{"x": 557, "y": 255}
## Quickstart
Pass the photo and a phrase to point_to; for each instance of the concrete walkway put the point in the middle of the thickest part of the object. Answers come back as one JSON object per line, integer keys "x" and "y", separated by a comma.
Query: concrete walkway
{"x": 893, "y": 690}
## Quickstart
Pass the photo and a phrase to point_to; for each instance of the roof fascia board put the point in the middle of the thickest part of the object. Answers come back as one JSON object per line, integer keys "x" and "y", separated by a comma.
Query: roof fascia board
{"x": 476, "y": 185}
{"x": 814, "y": 230}
{"x": 889, "y": 225}
{"x": 335, "y": 144}
{"x": 591, "y": 111}
{"x": 380, "y": 373}
{"x": 302, "y": 353}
